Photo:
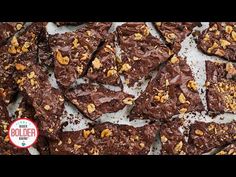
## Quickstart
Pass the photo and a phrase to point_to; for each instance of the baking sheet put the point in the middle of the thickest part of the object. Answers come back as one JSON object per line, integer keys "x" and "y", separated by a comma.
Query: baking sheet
{"x": 195, "y": 58}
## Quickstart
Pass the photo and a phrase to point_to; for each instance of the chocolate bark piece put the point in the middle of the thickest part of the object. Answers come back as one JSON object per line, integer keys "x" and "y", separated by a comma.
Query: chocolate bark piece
{"x": 141, "y": 52}
{"x": 8, "y": 29}
{"x": 73, "y": 53}
{"x": 104, "y": 65}
{"x": 175, "y": 32}
{"x": 95, "y": 100}
{"x": 6, "y": 148}
{"x": 26, "y": 110}
{"x": 68, "y": 23}
{"x": 173, "y": 91}
{"x": 228, "y": 150}
{"x": 219, "y": 40}
{"x": 47, "y": 101}
{"x": 174, "y": 141}
{"x": 207, "y": 136}
{"x": 221, "y": 87}
{"x": 106, "y": 139}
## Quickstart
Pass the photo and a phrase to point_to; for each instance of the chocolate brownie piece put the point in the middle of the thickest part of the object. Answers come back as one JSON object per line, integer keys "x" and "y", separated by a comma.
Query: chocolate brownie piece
{"x": 73, "y": 53}
{"x": 96, "y": 100}
{"x": 175, "y": 32}
{"x": 26, "y": 110}
{"x": 206, "y": 136}
{"x": 173, "y": 91}
{"x": 47, "y": 101}
{"x": 228, "y": 150}
{"x": 104, "y": 65}
{"x": 8, "y": 29}
{"x": 140, "y": 51}
{"x": 106, "y": 139}
{"x": 221, "y": 87}
{"x": 68, "y": 23}
{"x": 220, "y": 40}
{"x": 174, "y": 141}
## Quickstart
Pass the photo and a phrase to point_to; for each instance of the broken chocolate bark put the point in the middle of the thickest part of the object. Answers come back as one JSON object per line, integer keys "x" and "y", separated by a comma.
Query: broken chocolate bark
{"x": 228, "y": 150}
{"x": 141, "y": 52}
{"x": 104, "y": 65}
{"x": 221, "y": 87}
{"x": 106, "y": 139}
{"x": 95, "y": 100}
{"x": 73, "y": 53}
{"x": 175, "y": 32}
{"x": 173, "y": 91}
{"x": 206, "y": 136}
{"x": 68, "y": 23}
{"x": 219, "y": 40}
{"x": 47, "y": 101}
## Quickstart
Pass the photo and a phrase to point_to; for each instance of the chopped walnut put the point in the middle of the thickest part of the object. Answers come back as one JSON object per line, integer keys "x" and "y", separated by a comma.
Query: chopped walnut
{"x": 85, "y": 56}
{"x": 50, "y": 130}
{"x": 62, "y": 60}
{"x": 20, "y": 67}
{"x": 25, "y": 47}
{"x": 224, "y": 43}
{"x": 31, "y": 75}
{"x": 80, "y": 69}
{"x": 108, "y": 48}
{"x": 77, "y": 147}
{"x": 163, "y": 139}
{"x": 125, "y": 67}
{"x": 174, "y": 60}
{"x": 215, "y": 45}
{"x": 199, "y": 132}
{"x": 158, "y": 24}
{"x": 162, "y": 96}
{"x": 219, "y": 52}
{"x": 91, "y": 108}
{"x": 111, "y": 72}
{"x": 138, "y": 36}
{"x": 228, "y": 29}
{"x": 19, "y": 26}
{"x": 7, "y": 139}
{"x": 128, "y": 101}
{"x": 47, "y": 107}
{"x": 86, "y": 133}
{"x": 96, "y": 63}
{"x": 183, "y": 110}
{"x": 142, "y": 145}
{"x": 170, "y": 37}
{"x": 182, "y": 98}
{"x": 59, "y": 143}
{"x": 69, "y": 141}
{"x": 178, "y": 147}
{"x": 145, "y": 30}
{"x": 233, "y": 35}
{"x": 106, "y": 133}
{"x": 75, "y": 43}
{"x": 192, "y": 85}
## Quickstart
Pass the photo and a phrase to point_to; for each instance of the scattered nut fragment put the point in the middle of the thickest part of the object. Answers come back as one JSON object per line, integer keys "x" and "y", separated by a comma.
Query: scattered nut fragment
{"x": 47, "y": 107}
{"x": 230, "y": 69}
{"x": 62, "y": 60}
{"x": 178, "y": 147}
{"x": 199, "y": 132}
{"x": 20, "y": 67}
{"x": 77, "y": 147}
{"x": 111, "y": 72}
{"x": 192, "y": 85}
{"x": 163, "y": 139}
{"x": 224, "y": 43}
{"x": 75, "y": 43}
{"x": 91, "y": 108}
{"x": 14, "y": 42}
{"x": 142, "y": 145}
{"x": 69, "y": 141}
{"x": 59, "y": 143}
{"x": 96, "y": 63}
{"x": 233, "y": 35}
{"x": 174, "y": 60}
{"x": 86, "y": 133}
{"x": 228, "y": 29}
{"x": 183, "y": 110}
{"x": 108, "y": 48}
{"x": 125, "y": 67}
{"x": 145, "y": 30}
{"x": 215, "y": 45}
{"x": 170, "y": 38}
{"x": 80, "y": 69}
{"x": 158, "y": 24}
{"x": 31, "y": 75}
{"x": 136, "y": 58}
{"x": 12, "y": 50}
{"x": 7, "y": 139}
{"x": 162, "y": 96}
{"x": 138, "y": 36}
{"x": 25, "y": 47}
{"x": 167, "y": 83}
{"x": 211, "y": 127}
{"x": 182, "y": 98}
{"x": 106, "y": 133}
{"x": 85, "y": 56}
{"x": 128, "y": 101}
{"x": 19, "y": 26}
{"x": 213, "y": 28}
{"x": 89, "y": 33}
{"x": 50, "y": 130}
